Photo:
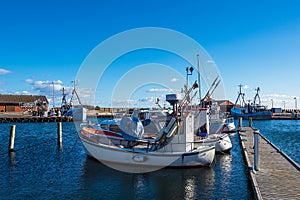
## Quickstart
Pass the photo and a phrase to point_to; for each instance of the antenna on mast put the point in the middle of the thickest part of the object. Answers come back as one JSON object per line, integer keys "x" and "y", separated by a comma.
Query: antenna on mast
{"x": 64, "y": 100}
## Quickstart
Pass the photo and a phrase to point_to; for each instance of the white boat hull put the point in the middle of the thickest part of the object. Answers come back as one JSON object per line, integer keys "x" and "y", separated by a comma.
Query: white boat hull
{"x": 222, "y": 142}
{"x": 229, "y": 128}
{"x": 136, "y": 161}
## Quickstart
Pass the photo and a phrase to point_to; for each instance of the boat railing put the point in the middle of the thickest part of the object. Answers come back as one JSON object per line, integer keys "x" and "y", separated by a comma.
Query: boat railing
{"x": 148, "y": 145}
{"x": 172, "y": 146}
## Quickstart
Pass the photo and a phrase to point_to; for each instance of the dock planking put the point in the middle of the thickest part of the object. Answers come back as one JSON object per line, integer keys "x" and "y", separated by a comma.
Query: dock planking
{"x": 278, "y": 176}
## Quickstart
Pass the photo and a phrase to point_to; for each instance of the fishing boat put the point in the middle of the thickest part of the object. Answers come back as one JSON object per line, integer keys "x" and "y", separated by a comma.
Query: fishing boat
{"x": 173, "y": 146}
{"x": 254, "y": 110}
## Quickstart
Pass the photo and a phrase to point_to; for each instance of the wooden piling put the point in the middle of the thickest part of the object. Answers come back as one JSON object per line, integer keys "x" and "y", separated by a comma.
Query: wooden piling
{"x": 59, "y": 134}
{"x": 250, "y": 121}
{"x": 240, "y": 123}
{"x": 256, "y": 149}
{"x": 12, "y": 138}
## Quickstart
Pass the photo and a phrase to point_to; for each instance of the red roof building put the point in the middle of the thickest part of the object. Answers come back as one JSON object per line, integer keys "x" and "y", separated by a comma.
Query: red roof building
{"x": 21, "y": 103}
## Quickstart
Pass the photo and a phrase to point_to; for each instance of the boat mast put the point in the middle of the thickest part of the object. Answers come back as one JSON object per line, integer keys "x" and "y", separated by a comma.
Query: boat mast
{"x": 74, "y": 92}
{"x": 199, "y": 83}
{"x": 63, "y": 101}
{"x": 240, "y": 96}
{"x": 211, "y": 89}
{"x": 53, "y": 97}
{"x": 257, "y": 96}
{"x": 189, "y": 72}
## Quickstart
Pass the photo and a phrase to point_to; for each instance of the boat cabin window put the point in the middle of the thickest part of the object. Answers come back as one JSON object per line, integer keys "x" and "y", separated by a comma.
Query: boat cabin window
{"x": 115, "y": 128}
{"x": 142, "y": 116}
{"x": 104, "y": 126}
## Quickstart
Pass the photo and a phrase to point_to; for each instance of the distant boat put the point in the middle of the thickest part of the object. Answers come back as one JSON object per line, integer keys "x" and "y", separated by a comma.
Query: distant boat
{"x": 245, "y": 113}
{"x": 77, "y": 114}
{"x": 68, "y": 110}
{"x": 254, "y": 110}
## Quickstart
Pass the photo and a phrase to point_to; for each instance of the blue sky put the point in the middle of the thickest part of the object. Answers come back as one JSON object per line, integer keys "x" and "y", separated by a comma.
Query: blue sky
{"x": 255, "y": 43}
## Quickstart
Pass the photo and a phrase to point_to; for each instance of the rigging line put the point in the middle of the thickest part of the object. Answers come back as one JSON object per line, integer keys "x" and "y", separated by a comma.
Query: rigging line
{"x": 38, "y": 144}
{"x": 75, "y": 143}
{"x": 31, "y": 146}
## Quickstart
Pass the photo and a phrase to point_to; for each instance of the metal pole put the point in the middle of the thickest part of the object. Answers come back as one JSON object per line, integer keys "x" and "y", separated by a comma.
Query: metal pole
{"x": 272, "y": 102}
{"x": 187, "y": 80}
{"x": 256, "y": 149}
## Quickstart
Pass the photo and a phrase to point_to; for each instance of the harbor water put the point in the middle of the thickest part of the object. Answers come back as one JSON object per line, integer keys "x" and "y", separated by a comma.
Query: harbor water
{"x": 285, "y": 134}
{"x": 39, "y": 169}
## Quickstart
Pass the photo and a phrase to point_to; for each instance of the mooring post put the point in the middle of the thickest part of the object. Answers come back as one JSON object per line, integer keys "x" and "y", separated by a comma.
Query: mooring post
{"x": 12, "y": 138}
{"x": 59, "y": 134}
{"x": 250, "y": 121}
{"x": 256, "y": 149}
{"x": 240, "y": 124}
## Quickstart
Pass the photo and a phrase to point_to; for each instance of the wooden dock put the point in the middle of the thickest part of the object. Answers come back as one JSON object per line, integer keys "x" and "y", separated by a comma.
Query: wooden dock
{"x": 286, "y": 116}
{"x": 32, "y": 119}
{"x": 278, "y": 176}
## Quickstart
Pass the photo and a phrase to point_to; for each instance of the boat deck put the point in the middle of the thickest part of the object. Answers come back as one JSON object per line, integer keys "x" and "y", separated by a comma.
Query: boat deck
{"x": 278, "y": 176}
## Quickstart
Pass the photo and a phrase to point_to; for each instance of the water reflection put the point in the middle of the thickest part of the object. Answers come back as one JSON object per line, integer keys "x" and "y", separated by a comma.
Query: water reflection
{"x": 162, "y": 184}
{"x": 190, "y": 188}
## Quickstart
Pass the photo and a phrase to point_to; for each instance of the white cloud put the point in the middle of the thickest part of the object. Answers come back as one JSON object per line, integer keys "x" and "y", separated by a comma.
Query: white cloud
{"x": 123, "y": 103}
{"x": 174, "y": 79}
{"x": 4, "y": 71}
{"x": 85, "y": 93}
{"x": 129, "y": 103}
{"x": 153, "y": 90}
{"x": 23, "y": 93}
{"x": 280, "y": 101}
{"x": 29, "y": 80}
{"x": 47, "y": 88}
{"x": 246, "y": 87}
{"x": 26, "y": 92}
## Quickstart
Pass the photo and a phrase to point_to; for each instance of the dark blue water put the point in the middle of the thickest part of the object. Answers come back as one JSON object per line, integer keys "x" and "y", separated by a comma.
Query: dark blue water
{"x": 40, "y": 170}
{"x": 285, "y": 134}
